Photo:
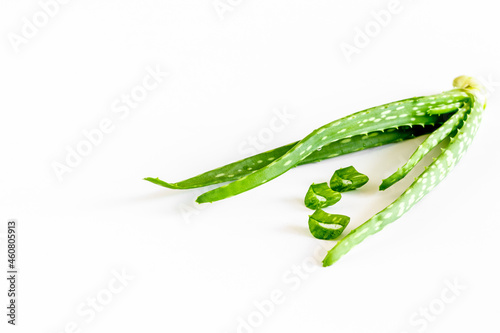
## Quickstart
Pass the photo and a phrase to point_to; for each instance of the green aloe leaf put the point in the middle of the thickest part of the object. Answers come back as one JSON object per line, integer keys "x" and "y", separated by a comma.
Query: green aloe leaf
{"x": 347, "y": 179}
{"x": 327, "y": 226}
{"x": 409, "y": 112}
{"x": 321, "y": 196}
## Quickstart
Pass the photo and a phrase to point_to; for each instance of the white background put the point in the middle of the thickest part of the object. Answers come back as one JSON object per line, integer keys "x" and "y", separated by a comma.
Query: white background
{"x": 204, "y": 268}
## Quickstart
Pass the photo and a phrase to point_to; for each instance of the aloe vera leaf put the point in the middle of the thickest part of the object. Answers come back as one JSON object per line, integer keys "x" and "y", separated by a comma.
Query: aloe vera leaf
{"x": 236, "y": 170}
{"x": 321, "y": 196}
{"x": 347, "y": 179}
{"x": 327, "y": 226}
{"x": 402, "y": 113}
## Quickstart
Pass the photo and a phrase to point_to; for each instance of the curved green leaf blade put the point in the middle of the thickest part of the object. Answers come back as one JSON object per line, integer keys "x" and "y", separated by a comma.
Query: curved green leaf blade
{"x": 393, "y": 115}
{"x": 347, "y": 179}
{"x": 327, "y": 226}
{"x": 246, "y": 166}
{"x": 321, "y": 196}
